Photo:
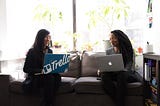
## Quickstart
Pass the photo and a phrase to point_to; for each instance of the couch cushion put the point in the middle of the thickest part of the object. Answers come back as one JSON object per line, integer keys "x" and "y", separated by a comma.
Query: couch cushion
{"x": 92, "y": 85}
{"x": 66, "y": 85}
{"x": 89, "y": 66}
{"x": 4, "y": 94}
{"x": 88, "y": 85}
{"x": 74, "y": 67}
{"x": 16, "y": 86}
{"x": 135, "y": 88}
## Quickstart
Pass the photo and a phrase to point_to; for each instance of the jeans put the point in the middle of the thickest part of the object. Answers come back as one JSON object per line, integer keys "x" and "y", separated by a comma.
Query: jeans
{"x": 114, "y": 84}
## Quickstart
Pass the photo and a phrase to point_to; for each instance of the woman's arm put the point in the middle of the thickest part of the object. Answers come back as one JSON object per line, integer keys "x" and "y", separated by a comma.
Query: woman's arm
{"x": 30, "y": 65}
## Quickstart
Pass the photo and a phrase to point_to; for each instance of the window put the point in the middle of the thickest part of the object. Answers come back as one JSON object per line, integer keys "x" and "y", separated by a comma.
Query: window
{"x": 96, "y": 18}
{"x": 22, "y": 25}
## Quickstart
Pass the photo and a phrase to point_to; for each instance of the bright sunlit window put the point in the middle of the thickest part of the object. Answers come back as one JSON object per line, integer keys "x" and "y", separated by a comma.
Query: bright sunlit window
{"x": 94, "y": 20}
{"x": 22, "y": 25}
{"x": 93, "y": 23}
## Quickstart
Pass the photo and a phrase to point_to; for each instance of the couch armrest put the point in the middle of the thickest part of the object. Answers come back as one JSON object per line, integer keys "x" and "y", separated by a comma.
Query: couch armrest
{"x": 4, "y": 89}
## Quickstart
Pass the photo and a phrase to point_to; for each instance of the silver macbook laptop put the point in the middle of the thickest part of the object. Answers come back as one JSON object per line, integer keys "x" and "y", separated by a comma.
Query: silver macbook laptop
{"x": 110, "y": 63}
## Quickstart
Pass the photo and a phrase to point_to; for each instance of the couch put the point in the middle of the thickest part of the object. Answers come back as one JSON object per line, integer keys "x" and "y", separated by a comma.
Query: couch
{"x": 80, "y": 86}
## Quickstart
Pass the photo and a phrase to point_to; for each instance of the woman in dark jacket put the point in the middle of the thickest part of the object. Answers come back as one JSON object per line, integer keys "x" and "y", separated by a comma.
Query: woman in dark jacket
{"x": 33, "y": 66}
{"x": 120, "y": 45}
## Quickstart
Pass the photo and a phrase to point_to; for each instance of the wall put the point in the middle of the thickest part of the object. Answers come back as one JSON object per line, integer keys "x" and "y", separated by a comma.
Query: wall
{"x": 3, "y": 24}
{"x": 152, "y": 34}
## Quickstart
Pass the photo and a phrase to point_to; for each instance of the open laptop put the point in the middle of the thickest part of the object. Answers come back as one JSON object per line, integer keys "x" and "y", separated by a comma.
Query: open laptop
{"x": 56, "y": 63}
{"x": 110, "y": 63}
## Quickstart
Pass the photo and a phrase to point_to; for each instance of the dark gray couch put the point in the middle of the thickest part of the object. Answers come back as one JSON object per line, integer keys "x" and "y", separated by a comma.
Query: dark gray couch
{"x": 79, "y": 87}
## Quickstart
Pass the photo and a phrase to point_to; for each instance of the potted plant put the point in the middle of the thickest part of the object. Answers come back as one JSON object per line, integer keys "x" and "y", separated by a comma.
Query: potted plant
{"x": 57, "y": 44}
{"x": 47, "y": 15}
{"x": 107, "y": 14}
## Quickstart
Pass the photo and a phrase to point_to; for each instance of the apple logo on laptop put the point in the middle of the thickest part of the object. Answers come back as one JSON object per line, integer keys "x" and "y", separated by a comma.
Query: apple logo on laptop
{"x": 110, "y": 63}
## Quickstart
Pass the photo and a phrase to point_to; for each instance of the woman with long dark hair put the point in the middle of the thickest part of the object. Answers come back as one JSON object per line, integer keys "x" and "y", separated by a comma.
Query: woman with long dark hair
{"x": 120, "y": 45}
{"x": 33, "y": 66}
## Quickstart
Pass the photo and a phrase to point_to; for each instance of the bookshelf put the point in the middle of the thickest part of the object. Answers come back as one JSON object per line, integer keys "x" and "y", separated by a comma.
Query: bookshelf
{"x": 151, "y": 77}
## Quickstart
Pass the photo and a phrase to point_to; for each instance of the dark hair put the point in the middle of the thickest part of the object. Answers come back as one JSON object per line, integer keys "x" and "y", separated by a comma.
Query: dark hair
{"x": 125, "y": 46}
{"x": 38, "y": 44}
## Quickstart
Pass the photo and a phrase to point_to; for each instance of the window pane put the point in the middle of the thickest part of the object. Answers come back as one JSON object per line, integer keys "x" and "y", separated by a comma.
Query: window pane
{"x": 22, "y": 25}
{"x": 93, "y": 24}
{"x": 108, "y": 15}
{"x": 59, "y": 22}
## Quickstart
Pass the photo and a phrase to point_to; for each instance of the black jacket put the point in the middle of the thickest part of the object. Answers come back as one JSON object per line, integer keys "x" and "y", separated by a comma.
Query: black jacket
{"x": 34, "y": 62}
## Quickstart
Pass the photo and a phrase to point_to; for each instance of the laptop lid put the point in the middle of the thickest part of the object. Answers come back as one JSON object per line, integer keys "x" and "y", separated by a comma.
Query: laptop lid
{"x": 110, "y": 63}
{"x": 56, "y": 63}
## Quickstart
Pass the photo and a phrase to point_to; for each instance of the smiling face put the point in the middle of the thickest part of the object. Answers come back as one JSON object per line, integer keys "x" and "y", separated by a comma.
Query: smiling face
{"x": 114, "y": 40}
{"x": 47, "y": 40}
